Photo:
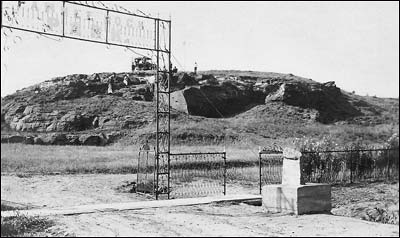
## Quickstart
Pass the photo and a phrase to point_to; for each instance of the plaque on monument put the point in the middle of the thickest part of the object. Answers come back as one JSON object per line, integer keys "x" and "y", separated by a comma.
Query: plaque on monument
{"x": 291, "y": 168}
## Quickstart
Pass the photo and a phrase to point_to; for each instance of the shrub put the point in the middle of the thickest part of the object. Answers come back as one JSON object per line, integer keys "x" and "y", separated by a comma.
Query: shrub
{"x": 21, "y": 225}
{"x": 324, "y": 161}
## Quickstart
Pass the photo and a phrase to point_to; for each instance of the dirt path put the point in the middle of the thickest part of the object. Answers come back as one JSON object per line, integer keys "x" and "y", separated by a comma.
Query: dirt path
{"x": 216, "y": 220}
{"x": 66, "y": 190}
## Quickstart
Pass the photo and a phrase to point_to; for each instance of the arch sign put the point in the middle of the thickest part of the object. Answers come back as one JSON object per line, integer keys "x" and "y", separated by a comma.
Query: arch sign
{"x": 84, "y": 22}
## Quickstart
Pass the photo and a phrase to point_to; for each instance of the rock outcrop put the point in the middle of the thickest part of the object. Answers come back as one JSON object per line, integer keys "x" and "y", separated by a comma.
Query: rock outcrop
{"x": 77, "y": 110}
{"x": 331, "y": 104}
{"x": 215, "y": 101}
{"x": 230, "y": 97}
{"x": 90, "y": 139}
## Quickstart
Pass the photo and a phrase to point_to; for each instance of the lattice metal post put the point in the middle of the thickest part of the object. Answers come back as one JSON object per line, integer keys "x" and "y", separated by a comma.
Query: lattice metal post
{"x": 169, "y": 106}
{"x": 163, "y": 116}
{"x": 157, "y": 106}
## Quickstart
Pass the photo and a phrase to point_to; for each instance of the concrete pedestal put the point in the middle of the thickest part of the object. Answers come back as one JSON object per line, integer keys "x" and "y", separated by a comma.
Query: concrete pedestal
{"x": 297, "y": 199}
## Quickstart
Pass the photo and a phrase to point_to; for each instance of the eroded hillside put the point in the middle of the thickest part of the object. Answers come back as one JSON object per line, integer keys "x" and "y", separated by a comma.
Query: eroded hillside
{"x": 213, "y": 106}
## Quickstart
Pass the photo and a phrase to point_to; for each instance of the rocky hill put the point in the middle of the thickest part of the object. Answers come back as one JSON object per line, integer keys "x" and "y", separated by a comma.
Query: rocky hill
{"x": 211, "y": 107}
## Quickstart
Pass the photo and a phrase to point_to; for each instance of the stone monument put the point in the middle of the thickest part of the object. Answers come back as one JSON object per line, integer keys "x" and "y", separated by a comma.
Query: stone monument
{"x": 294, "y": 196}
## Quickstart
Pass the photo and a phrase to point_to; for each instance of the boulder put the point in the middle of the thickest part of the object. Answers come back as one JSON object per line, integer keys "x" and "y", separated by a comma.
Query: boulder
{"x": 72, "y": 121}
{"x": 73, "y": 140}
{"x": 15, "y": 109}
{"x": 95, "y": 122}
{"x": 54, "y": 139}
{"x": 29, "y": 140}
{"x": 182, "y": 80}
{"x": 12, "y": 139}
{"x": 94, "y": 140}
{"x": 38, "y": 141}
{"x": 28, "y": 110}
{"x": 52, "y": 127}
{"x": 142, "y": 92}
{"x": 112, "y": 137}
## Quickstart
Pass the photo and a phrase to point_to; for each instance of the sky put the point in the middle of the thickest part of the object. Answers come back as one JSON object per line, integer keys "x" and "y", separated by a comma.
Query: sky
{"x": 355, "y": 44}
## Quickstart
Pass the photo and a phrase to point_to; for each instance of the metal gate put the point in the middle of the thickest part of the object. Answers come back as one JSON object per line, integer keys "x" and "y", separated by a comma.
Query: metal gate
{"x": 189, "y": 175}
{"x": 145, "y": 181}
{"x": 198, "y": 174}
{"x": 270, "y": 167}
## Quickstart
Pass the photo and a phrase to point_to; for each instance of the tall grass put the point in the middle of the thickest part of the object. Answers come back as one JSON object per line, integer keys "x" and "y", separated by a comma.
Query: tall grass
{"x": 24, "y": 226}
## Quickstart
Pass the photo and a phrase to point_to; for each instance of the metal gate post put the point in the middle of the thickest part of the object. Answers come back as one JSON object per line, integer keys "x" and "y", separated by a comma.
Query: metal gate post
{"x": 137, "y": 172}
{"x": 351, "y": 167}
{"x": 224, "y": 157}
{"x": 259, "y": 169}
{"x": 163, "y": 114}
{"x": 154, "y": 173}
{"x": 169, "y": 107}
{"x": 388, "y": 163}
{"x": 157, "y": 79}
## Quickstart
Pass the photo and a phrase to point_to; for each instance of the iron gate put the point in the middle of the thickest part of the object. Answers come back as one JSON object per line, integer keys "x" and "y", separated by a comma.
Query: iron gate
{"x": 189, "y": 175}
{"x": 145, "y": 180}
{"x": 198, "y": 174}
{"x": 270, "y": 167}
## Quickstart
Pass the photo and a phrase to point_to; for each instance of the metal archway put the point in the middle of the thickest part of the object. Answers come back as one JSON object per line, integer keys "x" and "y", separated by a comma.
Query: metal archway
{"x": 103, "y": 25}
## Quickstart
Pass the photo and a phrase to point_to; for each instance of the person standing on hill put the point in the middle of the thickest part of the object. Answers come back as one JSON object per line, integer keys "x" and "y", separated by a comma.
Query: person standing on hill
{"x": 96, "y": 78}
{"x": 175, "y": 70}
{"x": 110, "y": 82}
{"x": 126, "y": 80}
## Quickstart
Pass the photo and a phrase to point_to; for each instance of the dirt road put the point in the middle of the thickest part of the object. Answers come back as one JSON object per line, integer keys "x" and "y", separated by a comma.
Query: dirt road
{"x": 216, "y": 220}
{"x": 201, "y": 220}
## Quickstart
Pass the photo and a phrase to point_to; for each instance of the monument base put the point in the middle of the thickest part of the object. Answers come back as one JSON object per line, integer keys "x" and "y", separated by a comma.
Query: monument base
{"x": 297, "y": 199}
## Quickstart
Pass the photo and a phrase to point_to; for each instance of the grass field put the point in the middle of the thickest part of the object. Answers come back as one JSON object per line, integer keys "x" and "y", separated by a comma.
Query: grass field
{"x": 36, "y": 159}
{"x": 19, "y": 158}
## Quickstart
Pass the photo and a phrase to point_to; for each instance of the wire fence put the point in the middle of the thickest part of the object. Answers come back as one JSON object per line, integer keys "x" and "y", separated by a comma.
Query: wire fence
{"x": 348, "y": 166}
{"x": 204, "y": 174}
{"x": 335, "y": 166}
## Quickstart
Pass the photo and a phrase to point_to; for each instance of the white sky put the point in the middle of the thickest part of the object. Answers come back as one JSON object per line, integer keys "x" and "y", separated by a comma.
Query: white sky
{"x": 355, "y": 44}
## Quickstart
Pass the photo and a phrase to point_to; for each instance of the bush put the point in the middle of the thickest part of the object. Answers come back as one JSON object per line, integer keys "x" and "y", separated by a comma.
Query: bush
{"x": 21, "y": 225}
{"x": 382, "y": 213}
{"x": 324, "y": 161}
